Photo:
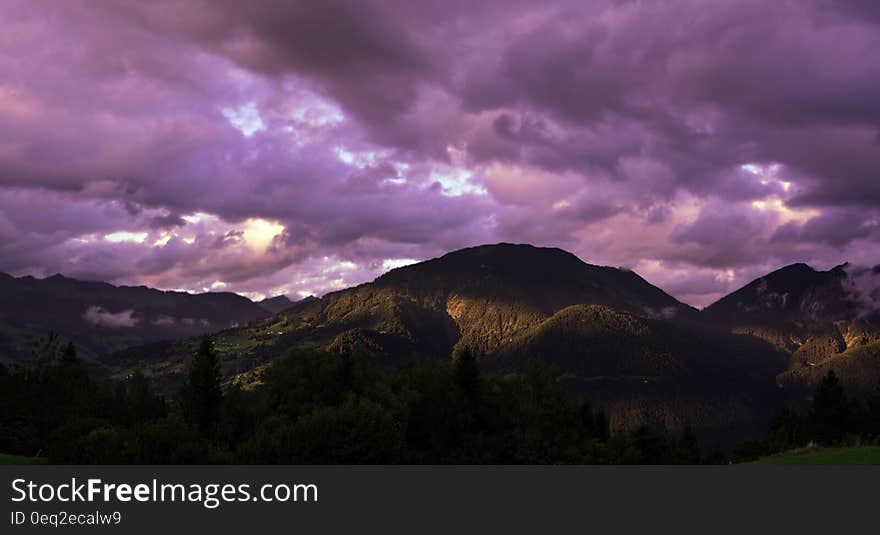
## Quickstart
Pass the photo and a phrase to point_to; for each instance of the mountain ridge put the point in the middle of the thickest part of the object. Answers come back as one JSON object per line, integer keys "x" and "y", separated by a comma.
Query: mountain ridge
{"x": 612, "y": 335}
{"x": 499, "y": 301}
{"x": 99, "y": 316}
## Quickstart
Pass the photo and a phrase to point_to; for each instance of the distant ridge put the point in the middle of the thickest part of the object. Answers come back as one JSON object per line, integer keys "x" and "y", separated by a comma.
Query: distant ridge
{"x": 275, "y": 304}
{"x": 794, "y": 293}
{"x": 822, "y": 320}
{"x": 100, "y": 317}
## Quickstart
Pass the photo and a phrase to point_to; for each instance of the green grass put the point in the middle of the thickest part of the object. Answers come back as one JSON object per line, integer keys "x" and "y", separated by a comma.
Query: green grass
{"x": 18, "y": 459}
{"x": 825, "y": 456}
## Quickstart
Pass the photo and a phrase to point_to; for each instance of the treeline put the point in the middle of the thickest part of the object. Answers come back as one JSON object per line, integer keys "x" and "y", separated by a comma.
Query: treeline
{"x": 315, "y": 407}
{"x": 832, "y": 420}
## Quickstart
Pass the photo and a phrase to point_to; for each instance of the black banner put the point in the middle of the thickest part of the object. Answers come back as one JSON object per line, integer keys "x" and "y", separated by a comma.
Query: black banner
{"x": 411, "y": 499}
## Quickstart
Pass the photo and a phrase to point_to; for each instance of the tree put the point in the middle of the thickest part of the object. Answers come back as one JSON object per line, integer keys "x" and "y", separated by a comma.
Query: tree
{"x": 139, "y": 403}
{"x": 588, "y": 419}
{"x": 68, "y": 356}
{"x": 643, "y": 445}
{"x": 873, "y": 420}
{"x": 202, "y": 394}
{"x": 594, "y": 422}
{"x": 786, "y": 431}
{"x": 45, "y": 352}
{"x": 357, "y": 431}
{"x": 715, "y": 455}
{"x": 602, "y": 425}
{"x": 832, "y": 414}
{"x": 467, "y": 374}
{"x": 687, "y": 449}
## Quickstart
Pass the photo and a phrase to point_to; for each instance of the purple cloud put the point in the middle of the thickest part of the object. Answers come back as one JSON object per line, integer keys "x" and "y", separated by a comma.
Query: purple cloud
{"x": 299, "y": 147}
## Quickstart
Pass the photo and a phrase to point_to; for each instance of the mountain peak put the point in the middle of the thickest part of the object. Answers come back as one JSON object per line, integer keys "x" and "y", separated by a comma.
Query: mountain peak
{"x": 796, "y": 293}
{"x": 797, "y": 266}
{"x": 546, "y": 278}
{"x": 509, "y": 261}
{"x": 275, "y": 304}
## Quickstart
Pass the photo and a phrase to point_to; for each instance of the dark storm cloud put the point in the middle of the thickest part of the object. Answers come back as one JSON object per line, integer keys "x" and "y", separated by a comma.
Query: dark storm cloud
{"x": 671, "y": 136}
{"x": 366, "y": 55}
{"x": 835, "y": 228}
{"x": 167, "y": 221}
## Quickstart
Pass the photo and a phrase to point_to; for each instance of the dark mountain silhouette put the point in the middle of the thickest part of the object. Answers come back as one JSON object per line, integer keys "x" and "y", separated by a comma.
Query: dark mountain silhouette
{"x": 794, "y": 296}
{"x": 275, "y": 304}
{"x": 821, "y": 319}
{"x": 100, "y": 317}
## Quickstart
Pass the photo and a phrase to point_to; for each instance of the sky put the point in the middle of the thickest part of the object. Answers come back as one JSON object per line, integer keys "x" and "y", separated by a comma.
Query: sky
{"x": 292, "y": 147}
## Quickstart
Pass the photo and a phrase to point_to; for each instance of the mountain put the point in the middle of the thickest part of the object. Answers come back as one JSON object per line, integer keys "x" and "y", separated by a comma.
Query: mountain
{"x": 821, "y": 320}
{"x": 276, "y": 304}
{"x": 480, "y": 297}
{"x": 101, "y": 318}
{"x": 794, "y": 296}
{"x": 615, "y": 337}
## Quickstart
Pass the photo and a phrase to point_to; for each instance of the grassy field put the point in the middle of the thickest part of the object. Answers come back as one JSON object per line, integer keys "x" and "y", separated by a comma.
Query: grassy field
{"x": 825, "y": 456}
{"x": 17, "y": 459}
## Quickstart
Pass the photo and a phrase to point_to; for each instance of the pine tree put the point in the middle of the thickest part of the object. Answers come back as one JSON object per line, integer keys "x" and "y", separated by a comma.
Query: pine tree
{"x": 467, "y": 374}
{"x": 786, "y": 431}
{"x": 831, "y": 413}
{"x": 202, "y": 393}
{"x": 873, "y": 417}
{"x": 588, "y": 420}
{"x": 141, "y": 404}
{"x": 602, "y": 425}
{"x": 68, "y": 356}
{"x": 46, "y": 351}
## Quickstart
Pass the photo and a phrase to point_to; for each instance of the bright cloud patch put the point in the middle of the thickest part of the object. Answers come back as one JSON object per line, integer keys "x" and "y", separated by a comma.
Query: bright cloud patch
{"x": 456, "y": 182}
{"x": 119, "y": 237}
{"x": 259, "y": 233}
{"x": 785, "y": 213}
{"x": 245, "y": 118}
{"x": 393, "y": 263}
